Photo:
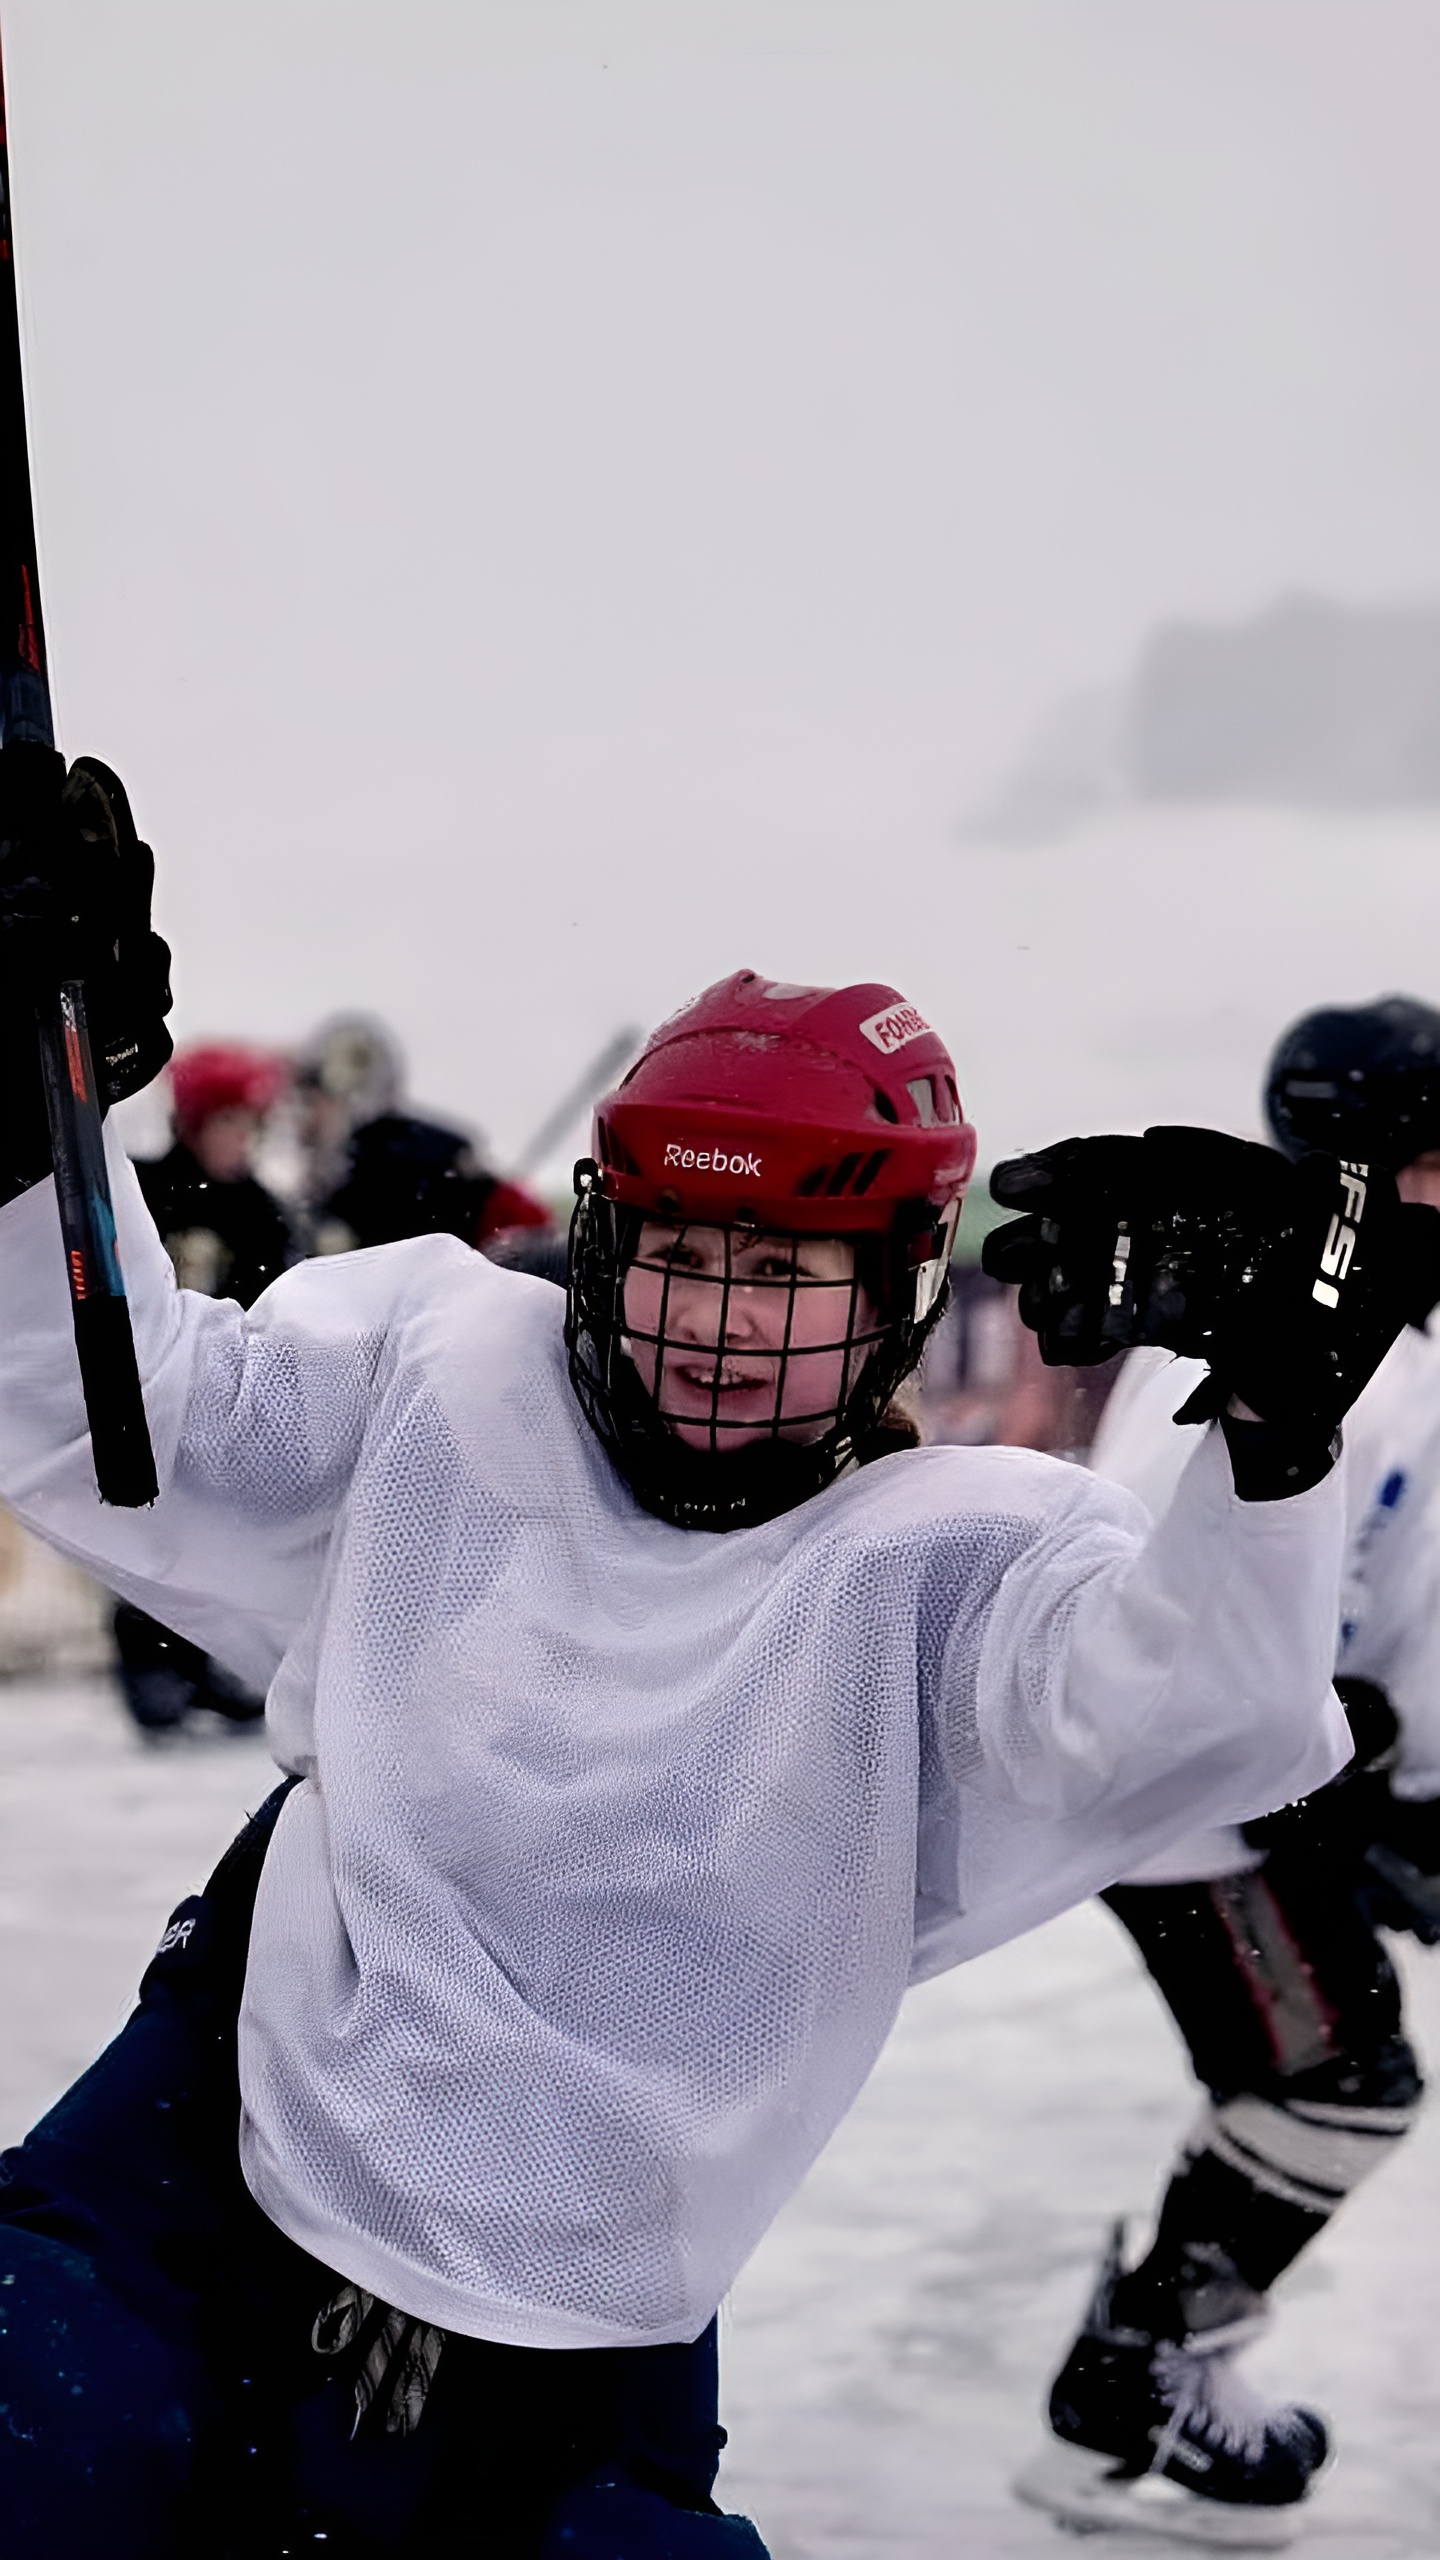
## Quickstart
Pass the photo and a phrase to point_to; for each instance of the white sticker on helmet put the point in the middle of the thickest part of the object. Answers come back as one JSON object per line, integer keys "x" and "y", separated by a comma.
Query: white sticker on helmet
{"x": 890, "y": 1031}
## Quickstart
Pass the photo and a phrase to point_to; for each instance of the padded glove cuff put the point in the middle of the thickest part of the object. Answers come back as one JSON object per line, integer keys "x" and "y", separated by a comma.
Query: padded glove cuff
{"x": 1269, "y": 1463}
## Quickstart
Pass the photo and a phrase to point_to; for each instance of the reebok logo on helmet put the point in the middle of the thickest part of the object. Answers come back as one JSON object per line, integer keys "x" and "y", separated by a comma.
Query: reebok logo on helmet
{"x": 890, "y": 1031}
{"x": 710, "y": 1160}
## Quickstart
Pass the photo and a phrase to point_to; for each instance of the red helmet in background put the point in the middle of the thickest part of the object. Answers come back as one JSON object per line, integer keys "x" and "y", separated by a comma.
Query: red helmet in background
{"x": 788, "y": 1110}
{"x": 222, "y": 1076}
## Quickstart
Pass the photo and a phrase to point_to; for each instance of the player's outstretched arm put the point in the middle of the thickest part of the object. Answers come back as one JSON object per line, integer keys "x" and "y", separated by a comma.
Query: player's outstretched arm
{"x": 1138, "y": 1682}
{"x": 254, "y": 1421}
{"x": 1131, "y": 1684}
{"x": 256, "y": 1418}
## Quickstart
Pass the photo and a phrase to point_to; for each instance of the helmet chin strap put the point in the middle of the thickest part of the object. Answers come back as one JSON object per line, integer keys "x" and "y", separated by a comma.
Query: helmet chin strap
{"x": 932, "y": 1274}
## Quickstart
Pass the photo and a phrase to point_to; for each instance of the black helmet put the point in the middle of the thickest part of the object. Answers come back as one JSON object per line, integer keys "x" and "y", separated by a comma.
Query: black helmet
{"x": 1359, "y": 1081}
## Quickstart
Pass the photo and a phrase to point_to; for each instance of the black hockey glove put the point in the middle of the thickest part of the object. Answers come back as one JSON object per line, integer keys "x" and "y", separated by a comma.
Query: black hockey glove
{"x": 1290, "y": 1280}
{"x": 1400, "y": 1887}
{"x": 75, "y": 886}
{"x": 1336, "y": 1825}
{"x": 1128, "y": 1240}
{"x": 1383, "y": 1848}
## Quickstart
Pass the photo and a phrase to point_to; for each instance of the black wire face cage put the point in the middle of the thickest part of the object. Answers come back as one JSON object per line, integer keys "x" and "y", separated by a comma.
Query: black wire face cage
{"x": 747, "y": 1469}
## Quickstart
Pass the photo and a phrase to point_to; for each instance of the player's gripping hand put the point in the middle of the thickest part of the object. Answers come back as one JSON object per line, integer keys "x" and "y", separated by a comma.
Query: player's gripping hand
{"x": 1128, "y": 1240}
{"x": 75, "y": 889}
{"x": 1289, "y": 1280}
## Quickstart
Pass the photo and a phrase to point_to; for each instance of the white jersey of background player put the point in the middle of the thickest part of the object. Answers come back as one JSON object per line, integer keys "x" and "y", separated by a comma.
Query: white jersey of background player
{"x": 1388, "y": 1622}
{"x": 1267, "y": 1950}
{"x": 649, "y": 1739}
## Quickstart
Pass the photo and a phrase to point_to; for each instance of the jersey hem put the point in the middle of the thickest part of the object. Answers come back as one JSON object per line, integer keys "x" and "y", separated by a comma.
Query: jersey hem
{"x": 395, "y": 2280}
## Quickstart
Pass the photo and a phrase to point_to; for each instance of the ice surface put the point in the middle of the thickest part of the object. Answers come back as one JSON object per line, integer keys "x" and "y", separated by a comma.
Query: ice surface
{"x": 887, "y": 2350}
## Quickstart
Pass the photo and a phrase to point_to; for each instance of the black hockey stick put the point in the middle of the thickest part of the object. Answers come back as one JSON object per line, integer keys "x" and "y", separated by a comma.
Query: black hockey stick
{"x": 119, "y": 1436}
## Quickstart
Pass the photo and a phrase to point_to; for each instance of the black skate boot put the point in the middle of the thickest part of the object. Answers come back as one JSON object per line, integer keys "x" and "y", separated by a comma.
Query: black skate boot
{"x": 1153, "y": 2431}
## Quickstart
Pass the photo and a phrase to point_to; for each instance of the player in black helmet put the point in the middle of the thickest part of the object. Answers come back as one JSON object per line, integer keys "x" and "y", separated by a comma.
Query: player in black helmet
{"x": 1268, "y": 1945}
{"x": 1359, "y": 1081}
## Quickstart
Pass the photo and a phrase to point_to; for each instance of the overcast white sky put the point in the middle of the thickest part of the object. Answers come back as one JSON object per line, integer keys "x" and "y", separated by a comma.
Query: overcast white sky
{"x": 549, "y": 500}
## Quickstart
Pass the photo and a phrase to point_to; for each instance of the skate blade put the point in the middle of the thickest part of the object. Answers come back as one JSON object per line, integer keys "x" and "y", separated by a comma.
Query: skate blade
{"x": 1081, "y": 2490}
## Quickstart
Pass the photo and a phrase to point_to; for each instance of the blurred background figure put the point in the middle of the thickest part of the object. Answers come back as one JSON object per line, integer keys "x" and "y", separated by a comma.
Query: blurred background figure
{"x": 1270, "y": 1944}
{"x": 226, "y": 1234}
{"x": 983, "y": 1380}
{"x": 228, "y": 1237}
{"x": 373, "y": 1171}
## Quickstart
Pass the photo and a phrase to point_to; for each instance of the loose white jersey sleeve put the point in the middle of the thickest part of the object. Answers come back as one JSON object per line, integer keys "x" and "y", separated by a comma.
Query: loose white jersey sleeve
{"x": 1390, "y": 1593}
{"x": 1388, "y": 1625}
{"x": 1388, "y": 1629}
{"x": 617, "y": 1843}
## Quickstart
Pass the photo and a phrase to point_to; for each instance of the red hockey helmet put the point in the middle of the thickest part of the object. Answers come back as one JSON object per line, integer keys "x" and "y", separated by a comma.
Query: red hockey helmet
{"x": 789, "y": 1112}
{"x": 222, "y": 1076}
{"x": 815, "y": 1109}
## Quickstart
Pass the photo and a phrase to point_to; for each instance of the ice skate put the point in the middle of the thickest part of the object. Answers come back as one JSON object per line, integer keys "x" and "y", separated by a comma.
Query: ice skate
{"x": 1161, "y": 2435}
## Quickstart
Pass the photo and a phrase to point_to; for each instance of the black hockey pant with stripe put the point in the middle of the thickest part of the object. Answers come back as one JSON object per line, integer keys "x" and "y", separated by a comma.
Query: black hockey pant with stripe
{"x": 1290, "y": 2006}
{"x": 177, "y": 2378}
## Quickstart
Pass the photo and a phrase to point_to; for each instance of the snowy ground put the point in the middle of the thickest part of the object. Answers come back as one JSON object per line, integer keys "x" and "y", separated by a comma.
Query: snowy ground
{"x": 886, "y": 2352}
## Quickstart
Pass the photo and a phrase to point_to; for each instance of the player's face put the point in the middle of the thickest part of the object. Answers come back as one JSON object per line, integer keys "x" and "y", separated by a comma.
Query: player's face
{"x": 225, "y": 1144}
{"x": 1421, "y": 1180}
{"x": 322, "y": 1120}
{"x": 778, "y": 1349}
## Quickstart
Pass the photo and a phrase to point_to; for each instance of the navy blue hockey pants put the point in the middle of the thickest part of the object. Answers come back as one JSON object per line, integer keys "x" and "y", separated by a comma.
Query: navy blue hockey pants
{"x": 160, "y": 2392}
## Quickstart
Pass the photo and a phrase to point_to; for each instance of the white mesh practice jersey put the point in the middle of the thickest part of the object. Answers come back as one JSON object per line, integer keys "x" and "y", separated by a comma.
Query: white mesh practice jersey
{"x": 617, "y": 1843}
{"x": 1388, "y": 1620}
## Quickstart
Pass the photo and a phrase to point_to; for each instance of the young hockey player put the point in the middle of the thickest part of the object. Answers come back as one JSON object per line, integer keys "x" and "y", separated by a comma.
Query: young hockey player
{"x": 650, "y": 1718}
{"x": 377, "y": 1173}
{"x": 1265, "y": 1944}
{"x": 225, "y": 1233}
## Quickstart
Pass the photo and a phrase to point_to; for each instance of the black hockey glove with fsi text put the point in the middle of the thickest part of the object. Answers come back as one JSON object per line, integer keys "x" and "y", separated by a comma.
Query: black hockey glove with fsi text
{"x": 75, "y": 889}
{"x": 1290, "y": 1280}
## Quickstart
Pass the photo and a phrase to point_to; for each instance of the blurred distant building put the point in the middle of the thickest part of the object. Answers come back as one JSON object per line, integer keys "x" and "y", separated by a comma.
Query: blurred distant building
{"x": 1311, "y": 704}
{"x": 1308, "y": 704}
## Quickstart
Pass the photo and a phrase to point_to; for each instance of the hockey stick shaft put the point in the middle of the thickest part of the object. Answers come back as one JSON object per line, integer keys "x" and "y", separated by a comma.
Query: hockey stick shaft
{"x": 104, "y": 1342}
